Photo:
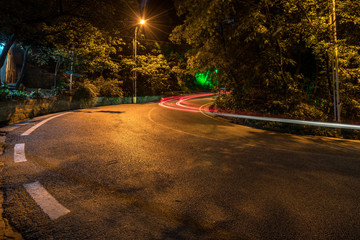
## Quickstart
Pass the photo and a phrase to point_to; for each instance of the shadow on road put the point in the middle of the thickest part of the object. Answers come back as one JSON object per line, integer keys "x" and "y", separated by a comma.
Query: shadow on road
{"x": 196, "y": 188}
{"x": 115, "y": 112}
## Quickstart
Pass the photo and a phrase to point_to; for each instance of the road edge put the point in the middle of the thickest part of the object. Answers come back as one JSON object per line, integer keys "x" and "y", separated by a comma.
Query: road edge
{"x": 6, "y": 231}
{"x": 288, "y": 126}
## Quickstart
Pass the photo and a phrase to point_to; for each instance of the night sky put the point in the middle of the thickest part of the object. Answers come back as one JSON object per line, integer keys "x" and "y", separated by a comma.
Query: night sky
{"x": 161, "y": 16}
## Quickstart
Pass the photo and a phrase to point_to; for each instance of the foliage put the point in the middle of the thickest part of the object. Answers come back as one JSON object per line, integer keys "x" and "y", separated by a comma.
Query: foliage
{"x": 109, "y": 87}
{"x": 37, "y": 94}
{"x": 276, "y": 56}
{"x": 86, "y": 37}
{"x": 85, "y": 90}
{"x": 204, "y": 79}
{"x": 5, "y": 94}
{"x": 27, "y": 19}
{"x": 88, "y": 51}
{"x": 4, "y": 86}
{"x": 82, "y": 33}
{"x": 8, "y": 94}
{"x": 184, "y": 78}
{"x": 58, "y": 91}
{"x": 153, "y": 73}
{"x": 180, "y": 78}
{"x": 19, "y": 95}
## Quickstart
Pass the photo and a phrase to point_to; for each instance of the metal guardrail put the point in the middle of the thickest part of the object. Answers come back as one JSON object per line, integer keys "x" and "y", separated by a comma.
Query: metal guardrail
{"x": 292, "y": 121}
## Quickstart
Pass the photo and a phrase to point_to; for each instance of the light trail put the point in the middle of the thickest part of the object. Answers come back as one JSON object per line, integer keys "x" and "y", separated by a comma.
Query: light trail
{"x": 180, "y": 103}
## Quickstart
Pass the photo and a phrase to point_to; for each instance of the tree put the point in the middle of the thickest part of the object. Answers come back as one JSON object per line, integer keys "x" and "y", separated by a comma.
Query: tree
{"x": 89, "y": 50}
{"x": 55, "y": 28}
{"x": 275, "y": 55}
{"x": 31, "y": 22}
{"x": 153, "y": 73}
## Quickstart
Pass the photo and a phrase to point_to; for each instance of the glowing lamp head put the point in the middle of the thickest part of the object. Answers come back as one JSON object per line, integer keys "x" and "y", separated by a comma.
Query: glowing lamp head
{"x": 142, "y": 21}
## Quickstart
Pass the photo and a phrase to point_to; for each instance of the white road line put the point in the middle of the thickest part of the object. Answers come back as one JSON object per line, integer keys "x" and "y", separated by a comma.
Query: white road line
{"x": 19, "y": 153}
{"x": 47, "y": 202}
{"x": 30, "y": 130}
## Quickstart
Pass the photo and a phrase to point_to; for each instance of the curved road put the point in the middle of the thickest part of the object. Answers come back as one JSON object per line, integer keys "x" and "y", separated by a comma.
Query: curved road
{"x": 147, "y": 172}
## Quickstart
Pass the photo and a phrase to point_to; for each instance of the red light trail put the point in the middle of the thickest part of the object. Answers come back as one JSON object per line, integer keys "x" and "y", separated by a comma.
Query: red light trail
{"x": 180, "y": 102}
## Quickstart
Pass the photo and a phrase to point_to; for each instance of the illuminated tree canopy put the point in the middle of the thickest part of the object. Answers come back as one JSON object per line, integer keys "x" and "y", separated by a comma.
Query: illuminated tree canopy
{"x": 275, "y": 55}
{"x": 204, "y": 79}
{"x": 57, "y": 28}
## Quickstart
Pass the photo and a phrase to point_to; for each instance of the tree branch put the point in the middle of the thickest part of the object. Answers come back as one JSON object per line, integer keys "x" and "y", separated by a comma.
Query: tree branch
{"x": 7, "y": 46}
{"x": 56, "y": 14}
{"x": 21, "y": 75}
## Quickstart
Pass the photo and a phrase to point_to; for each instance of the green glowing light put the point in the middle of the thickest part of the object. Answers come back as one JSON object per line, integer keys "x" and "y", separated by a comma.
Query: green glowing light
{"x": 205, "y": 79}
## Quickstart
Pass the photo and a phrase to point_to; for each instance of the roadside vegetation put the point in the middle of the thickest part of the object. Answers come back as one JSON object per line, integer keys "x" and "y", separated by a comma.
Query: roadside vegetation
{"x": 276, "y": 56}
{"x": 92, "y": 40}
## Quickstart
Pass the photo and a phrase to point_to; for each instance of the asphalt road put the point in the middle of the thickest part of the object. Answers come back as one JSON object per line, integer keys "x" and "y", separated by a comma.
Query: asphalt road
{"x": 147, "y": 172}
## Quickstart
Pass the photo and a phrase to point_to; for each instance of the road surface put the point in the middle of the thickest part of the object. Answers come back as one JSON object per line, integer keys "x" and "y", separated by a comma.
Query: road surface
{"x": 147, "y": 172}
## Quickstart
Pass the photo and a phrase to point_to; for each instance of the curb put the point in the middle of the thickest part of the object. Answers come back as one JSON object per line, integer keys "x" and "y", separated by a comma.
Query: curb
{"x": 6, "y": 231}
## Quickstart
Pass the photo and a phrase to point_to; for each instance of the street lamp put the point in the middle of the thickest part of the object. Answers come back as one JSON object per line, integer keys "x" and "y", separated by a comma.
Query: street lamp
{"x": 335, "y": 64}
{"x": 142, "y": 22}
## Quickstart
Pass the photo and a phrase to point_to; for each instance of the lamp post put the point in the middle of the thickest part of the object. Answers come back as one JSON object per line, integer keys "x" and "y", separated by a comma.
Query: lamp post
{"x": 142, "y": 22}
{"x": 335, "y": 64}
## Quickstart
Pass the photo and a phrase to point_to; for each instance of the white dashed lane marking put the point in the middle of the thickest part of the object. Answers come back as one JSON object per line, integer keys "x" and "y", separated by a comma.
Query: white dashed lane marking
{"x": 30, "y": 130}
{"x": 43, "y": 198}
{"x": 19, "y": 153}
{"x": 48, "y": 203}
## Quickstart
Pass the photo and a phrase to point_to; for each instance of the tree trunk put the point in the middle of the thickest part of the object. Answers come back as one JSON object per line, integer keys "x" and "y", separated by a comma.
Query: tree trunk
{"x": 7, "y": 46}
{"x": 58, "y": 63}
{"x": 21, "y": 75}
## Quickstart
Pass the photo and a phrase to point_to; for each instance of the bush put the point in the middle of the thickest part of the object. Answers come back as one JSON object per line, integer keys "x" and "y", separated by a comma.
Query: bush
{"x": 7, "y": 94}
{"x": 111, "y": 88}
{"x": 60, "y": 88}
{"x": 37, "y": 94}
{"x": 19, "y": 95}
{"x": 307, "y": 111}
{"x": 58, "y": 91}
{"x": 86, "y": 90}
